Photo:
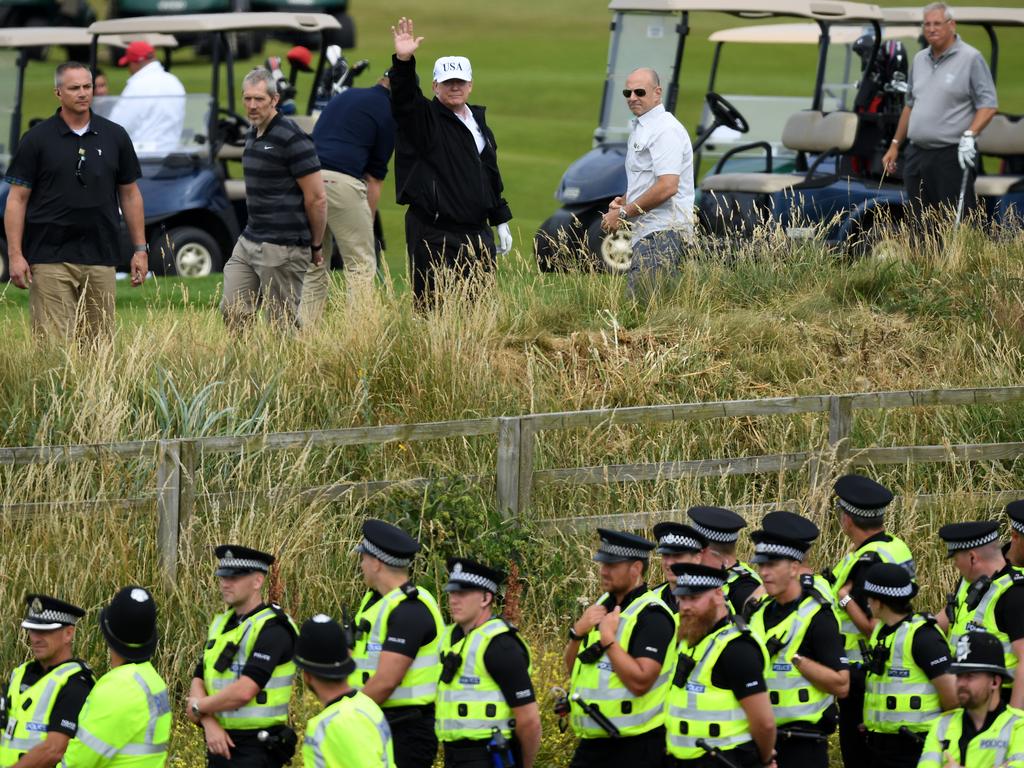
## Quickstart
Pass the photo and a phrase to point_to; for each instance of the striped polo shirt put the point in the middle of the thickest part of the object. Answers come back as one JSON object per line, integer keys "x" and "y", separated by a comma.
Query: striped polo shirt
{"x": 272, "y": 163}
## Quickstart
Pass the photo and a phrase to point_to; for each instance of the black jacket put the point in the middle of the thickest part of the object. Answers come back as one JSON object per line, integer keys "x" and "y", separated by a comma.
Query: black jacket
{"x": 437, "y": 167}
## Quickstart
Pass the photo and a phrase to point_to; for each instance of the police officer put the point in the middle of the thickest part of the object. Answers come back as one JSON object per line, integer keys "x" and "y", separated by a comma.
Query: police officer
{"x": 126, "y": 720}
{"x": 619, "y": 657}
{"x": 990, "y": 596}
{"x": 1014, "y": 551}
{"x": 721, "y": 527}
{"x": 486, "y": 706}
{"x": 861, "y": 504}
{"x": 351, "y": 729}
{"x": 808, "y": 668}
{"x": 45, "y": 695}
{"x": 677, "y": 543}
{"x": 718, "y": 710}
{"x": 397, "y": 640}
{"x": 984, "y": 732}
{"x": 908, "y": 683}
{"x": 243, "y": 683}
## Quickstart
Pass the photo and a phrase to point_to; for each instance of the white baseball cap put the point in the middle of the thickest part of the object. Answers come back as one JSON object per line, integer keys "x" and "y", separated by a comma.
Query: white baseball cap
{"x": 452, "y": 68}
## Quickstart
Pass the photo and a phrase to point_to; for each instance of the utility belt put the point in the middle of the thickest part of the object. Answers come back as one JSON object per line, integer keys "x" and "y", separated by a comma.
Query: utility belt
{"x": 280, "y": 741}
{"x": 469, "y": 753}
{"x": 408, "y": 715}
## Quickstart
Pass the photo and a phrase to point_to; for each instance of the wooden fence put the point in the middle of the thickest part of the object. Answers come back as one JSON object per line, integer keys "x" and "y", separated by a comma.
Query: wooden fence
{"x": 515, "y": 476}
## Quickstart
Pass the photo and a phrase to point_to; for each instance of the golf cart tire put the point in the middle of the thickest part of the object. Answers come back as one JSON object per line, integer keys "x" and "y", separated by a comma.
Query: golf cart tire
{"x": 346, "y": 36}
{"x": 192, "y": 253}
{"x": 611, "y": 252}
{"x": 562, "y": 243}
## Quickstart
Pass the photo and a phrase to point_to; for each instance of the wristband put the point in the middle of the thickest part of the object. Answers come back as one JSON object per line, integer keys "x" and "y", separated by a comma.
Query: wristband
{"x": 195, "y": 708}
{"x": 141, "y": 248}
{"x": 843, "y": 602}
{"x": 316, "y": 248}
{"x": 573, "y": 635}
{"x": 968, "y": 132}
{"x": 895, "y": 141}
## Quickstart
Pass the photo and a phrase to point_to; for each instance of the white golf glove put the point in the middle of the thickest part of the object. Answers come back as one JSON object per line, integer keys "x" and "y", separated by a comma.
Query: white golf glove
{"x": 504, "y": 239}
{"x": 967, "y": 152}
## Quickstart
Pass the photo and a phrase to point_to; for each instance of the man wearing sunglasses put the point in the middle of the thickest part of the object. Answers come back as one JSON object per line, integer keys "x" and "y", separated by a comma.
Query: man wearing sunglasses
{"x": 658, "y": 205}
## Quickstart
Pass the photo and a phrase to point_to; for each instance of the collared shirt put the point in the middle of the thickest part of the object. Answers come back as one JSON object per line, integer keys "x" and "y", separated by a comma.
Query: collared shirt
{"x": 659, "y": 146}
{"x": 466, "y": 116}
{"x": 152, "y": 109}
{"x": 73, "y": 214}
{"x": 355, "y": 133}
{"x": 945, "y": 92}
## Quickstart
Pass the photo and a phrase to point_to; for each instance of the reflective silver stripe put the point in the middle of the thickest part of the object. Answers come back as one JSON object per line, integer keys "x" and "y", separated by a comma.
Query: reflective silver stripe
{"x": 95, "y": 743}
{"x": 707, "y": 715}
{"x": 255, "y": 711}
{"x": 470, "y": 695}
{"x": 931, "y": 757}
{"x": 1004, "y": 740}
{"x": 39, "y": 714}
{"x": 622, "y": 721}
{"x": 787, "y": 683}
{"x": 691, "y": 741}
{"x": 901, "y": 689}
{"x": 316, "y": 740}
{"x": 142, "y": 749}
{"x": 467, "y": 724}
{"x": 886, "y": 716}
{"x": 280, "y": 681}
{"x": 22, "y": 745}
{"x": 803, "y": 710}
{"x": 411, "y": 692}
{"x": 426, "y": 660}
{"x": 383, "y": 731}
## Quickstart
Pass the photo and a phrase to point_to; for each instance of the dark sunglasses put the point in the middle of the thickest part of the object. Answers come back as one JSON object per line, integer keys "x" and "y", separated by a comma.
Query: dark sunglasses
{"x": 78, "y": 168}
{"x": 640, "y": 92}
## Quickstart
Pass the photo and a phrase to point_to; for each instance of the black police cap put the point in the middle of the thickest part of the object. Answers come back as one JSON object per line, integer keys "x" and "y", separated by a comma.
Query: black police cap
{"x": 979, "y": 652}
{"x": 717, "y": 523}
{"x": 464, "y": 573}
{"x": 388, "y": 543}
{"x": 620, "y": 547}
{"x": 889, "y": 581}
{"x": 678, "y": 538}
{"x": 44, "y": 613}
{"x": 790, "y": 525}
{"x": 128, "y": 624}
{"x": 236, "y": 560}
{"x": 862, "y": 497}
{"x": 695, "y": 579}
{"x": 321, "y": 649}
{"x": 963, "y": 536}
{"x": 783, "y": 536}
{"x": 1015, "y": 511}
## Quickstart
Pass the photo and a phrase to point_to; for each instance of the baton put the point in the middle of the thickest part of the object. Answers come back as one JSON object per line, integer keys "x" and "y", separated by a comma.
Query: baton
{"x": 909, "y": 734}
{"x": 794, "y": 733}
{"x": 591, "y": 709}
{"x": 716, "y": 754}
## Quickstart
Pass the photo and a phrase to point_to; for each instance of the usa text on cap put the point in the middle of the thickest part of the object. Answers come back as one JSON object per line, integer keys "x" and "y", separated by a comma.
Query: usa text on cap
{"x": 452, "y": 68}
{"x": 717, "y": 524}
{"x": 45, "y": 613}
{"x": 389, "y": 544}
{"x": 963, "y": 536}
{"x": 861, "y": 496}
{"x": 694, "y": 578}
{"x": 321, "y": 650}
{"x": 137, "y": 50}
{"x": 1015, "y": 511}
{"x": 236, "y": 560}
{"x": 889, "y": 581}
{"x": 619, "y": 546}
{"x": 464, "y": 573}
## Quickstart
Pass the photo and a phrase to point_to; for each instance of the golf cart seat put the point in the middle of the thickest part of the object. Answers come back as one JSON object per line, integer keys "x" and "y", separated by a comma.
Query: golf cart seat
{"x": 807, "y": 131}
{"x": 1003, "y": 137}
{"x": 235, "y": 189}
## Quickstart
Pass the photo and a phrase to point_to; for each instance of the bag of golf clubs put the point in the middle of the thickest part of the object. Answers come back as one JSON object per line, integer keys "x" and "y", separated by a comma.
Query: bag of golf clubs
{"x": 879, "y": 102}
{"x": 337, "y": 76}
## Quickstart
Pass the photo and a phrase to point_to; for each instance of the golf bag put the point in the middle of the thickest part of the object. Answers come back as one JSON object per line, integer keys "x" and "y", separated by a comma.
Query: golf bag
{"x": 337, "y": 76}
{"x": 881, "y": 95}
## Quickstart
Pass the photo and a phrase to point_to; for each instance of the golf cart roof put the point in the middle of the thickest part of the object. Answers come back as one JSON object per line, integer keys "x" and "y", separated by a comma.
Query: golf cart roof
{"x": 990, "y": 15}
{"x": 824, "y": 10}
{"x": 216, "y": 22}
{"x": 30, "y": 37}
{"x": 803, "y": 34}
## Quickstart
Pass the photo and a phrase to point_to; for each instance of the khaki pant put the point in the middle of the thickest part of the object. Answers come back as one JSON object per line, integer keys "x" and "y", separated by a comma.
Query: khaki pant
{"x": 67, "y": 300}
{"x": 263, "y": 275}
{"x": 350, "y": 223}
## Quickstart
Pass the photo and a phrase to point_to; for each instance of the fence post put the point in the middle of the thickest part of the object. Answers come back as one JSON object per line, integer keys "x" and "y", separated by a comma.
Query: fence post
{"x": 527, "y": 443}
{"x": 187, "y": 482}
{"x": 168, "y": 495}
{"x": 840, "y": 425}
{"x": 507, "y": 470}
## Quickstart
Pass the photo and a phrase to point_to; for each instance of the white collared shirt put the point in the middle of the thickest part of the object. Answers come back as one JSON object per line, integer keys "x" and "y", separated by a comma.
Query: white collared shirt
{"x": 466, "y": 116}
{"x": 152, "y": 109}
{"x": 659, "y": 146}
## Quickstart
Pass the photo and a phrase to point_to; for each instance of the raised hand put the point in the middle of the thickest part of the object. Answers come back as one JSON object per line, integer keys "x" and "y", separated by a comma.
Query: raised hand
{"x": 406, "y": 41}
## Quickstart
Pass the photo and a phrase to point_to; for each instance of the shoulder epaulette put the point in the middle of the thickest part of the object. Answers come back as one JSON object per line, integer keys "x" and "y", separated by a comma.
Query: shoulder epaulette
{"x": 410, "y": 592}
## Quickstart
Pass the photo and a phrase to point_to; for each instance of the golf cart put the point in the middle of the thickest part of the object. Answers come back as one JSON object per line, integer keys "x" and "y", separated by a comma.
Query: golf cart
{"x": 653, "y": 33}
{"x": 194, "y": 212}
{"x": 48, "y": 13}
{"x": 17, "y": 48}
{"x": 345, "y": 36}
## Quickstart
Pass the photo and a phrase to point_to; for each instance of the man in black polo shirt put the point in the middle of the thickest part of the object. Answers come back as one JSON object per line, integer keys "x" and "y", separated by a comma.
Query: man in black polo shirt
{"x": 71, "y": 177}
{"x": 287, "y": 213}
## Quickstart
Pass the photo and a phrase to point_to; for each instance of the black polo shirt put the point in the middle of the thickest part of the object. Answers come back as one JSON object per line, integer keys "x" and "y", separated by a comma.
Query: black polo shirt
{"x": 73, "y": 218}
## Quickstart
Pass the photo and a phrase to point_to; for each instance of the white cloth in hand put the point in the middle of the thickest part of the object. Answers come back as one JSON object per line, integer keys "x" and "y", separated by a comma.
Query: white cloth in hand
{"x": 966, "y": 152}
{"x": 504, "y": 239}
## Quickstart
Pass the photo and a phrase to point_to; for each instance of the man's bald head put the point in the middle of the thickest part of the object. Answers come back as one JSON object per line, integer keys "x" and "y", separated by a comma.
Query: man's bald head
{"x": 649, "y": 73}
{"x": 642, "y": 91}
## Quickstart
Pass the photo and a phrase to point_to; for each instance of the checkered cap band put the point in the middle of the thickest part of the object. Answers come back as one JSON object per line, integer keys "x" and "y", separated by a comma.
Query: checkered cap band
{"x": 958, "y": 546}
{"x": 51, "y": 617}
{"x": 1017, "y": 525}
{"x": 473, "y": 578}
{"x": 779, "y": 550}
{"x": 370, "y": 548}
{"x": 725, "y": 537}
{"x": 617, "y": 550}
{"x": 679, "y": 540}
{"x": 904, "y": 591}
{"x": 853, "y": 509}
{"x": 242, "y": 564}
{"x": 699, "y": 580}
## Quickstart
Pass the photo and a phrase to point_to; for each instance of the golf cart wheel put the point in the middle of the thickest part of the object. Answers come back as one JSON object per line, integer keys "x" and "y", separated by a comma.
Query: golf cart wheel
{"x": 613, "y": 251}
{"x": 346, "y": 36}
{"x": 186, "y": 252}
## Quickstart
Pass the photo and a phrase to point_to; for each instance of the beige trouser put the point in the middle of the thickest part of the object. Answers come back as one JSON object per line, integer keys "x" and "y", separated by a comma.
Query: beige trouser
{"x": 263, "y": 275}
{"x": 350, "y": 223}
{"x": 67, "y": 300}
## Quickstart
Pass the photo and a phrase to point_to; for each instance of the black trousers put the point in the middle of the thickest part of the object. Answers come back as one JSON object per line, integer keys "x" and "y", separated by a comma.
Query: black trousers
{"x": 796, "y": 752}
{"x": 644, "y": 751}
{"x": 890, "y": 750}
{"x": 852, "y": 741}
{"x": 443, "y": 254}
{"x": 745, "y": 756}
{"x": 412, "y": 735}
{"x": 932, "y": 178}
{"x": 474, "y": 754}
{"x": 248, "y": 752}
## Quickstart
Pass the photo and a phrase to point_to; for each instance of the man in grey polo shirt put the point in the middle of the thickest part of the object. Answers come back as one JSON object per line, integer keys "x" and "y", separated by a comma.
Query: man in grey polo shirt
{"x": 658, "y": 205}
{"x": 950, "y": 101}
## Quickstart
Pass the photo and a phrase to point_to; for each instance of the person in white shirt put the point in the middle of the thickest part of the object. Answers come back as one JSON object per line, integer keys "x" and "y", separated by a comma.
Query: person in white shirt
{"x": 658, "y": 205}
{"x": 152, "y": 105}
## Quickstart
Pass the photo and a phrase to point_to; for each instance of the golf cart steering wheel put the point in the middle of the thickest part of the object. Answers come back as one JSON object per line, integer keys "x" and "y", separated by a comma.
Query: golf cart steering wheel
{"x": 232, "y": 127}
{"x": 725, "y": 113}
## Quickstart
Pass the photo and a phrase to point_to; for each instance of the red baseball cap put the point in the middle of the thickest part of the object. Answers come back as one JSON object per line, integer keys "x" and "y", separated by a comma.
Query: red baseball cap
{"x": 138, "y": 50}
{"x": 301, "y": 57}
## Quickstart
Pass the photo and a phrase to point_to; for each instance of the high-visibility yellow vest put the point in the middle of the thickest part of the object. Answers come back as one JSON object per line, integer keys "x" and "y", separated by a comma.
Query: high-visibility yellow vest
{"x": 350, "y": 732}
{"x": 598, "y": 684}
{"x": 126, "y": 721}
{"x": 1001, "y": 744}
{"x": 270, "y": 705}
{"x": 739, "y": 571}
{"x": 696, "y": 709}
{"x": 794, "y": 698}
{"x": 419, "y": 686}
{"x": 895, "y": 551}
{"x": 28, "y": 711}
{"x": 901, "y": 694}
{"x": 983, "y": 617}
{"x": 472, "y": 704}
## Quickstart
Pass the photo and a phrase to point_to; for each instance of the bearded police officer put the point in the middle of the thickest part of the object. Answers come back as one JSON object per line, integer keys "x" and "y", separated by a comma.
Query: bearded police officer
{"x": 351, "y": 730}
{"x": 677, "y": 543}
{"x": 984, "y": 732}
{"x": 619, "y": 657}
{"x": 990, "y": 596}
{"x": 721, "y": 527}
{"x": 908, "y": 683}
{"x": 486, "y": 707}
{"x": 718, "y": 710}
{"x": 1014, "y": 551}
{"x": 243, "y": 683}
{"x": 397, "y": 639}
{"x": 45, "y": 695}
{"x": 126, "y": 720}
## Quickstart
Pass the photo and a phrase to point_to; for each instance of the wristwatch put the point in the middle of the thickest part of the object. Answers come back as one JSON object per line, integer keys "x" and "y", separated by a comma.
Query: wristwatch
{"x": 195, "y": 708}
{"x": 968, "y": 132}
{"x": 315, "y": 248}
{"x": 622, "y": 213}
{"x": 141, "y": 248}
{"x": 573, "y": 635}
{"x": 845, "y": 601}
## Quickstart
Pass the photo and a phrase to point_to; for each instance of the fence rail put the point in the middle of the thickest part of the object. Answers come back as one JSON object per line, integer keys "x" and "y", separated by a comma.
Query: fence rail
{"x": 515, "y": 475}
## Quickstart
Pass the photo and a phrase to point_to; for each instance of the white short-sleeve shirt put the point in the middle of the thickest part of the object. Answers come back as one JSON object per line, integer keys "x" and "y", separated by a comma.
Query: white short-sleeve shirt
{"x": 152, "y": 109}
